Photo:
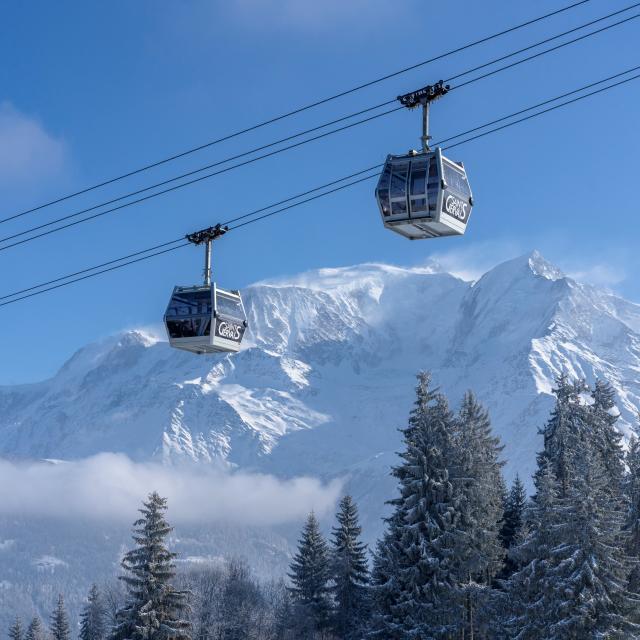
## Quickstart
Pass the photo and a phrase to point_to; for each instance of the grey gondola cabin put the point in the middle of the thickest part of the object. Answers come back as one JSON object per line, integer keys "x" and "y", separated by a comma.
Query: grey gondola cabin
{"x": 423, "y": 194}
{"x": 205, "y": 319}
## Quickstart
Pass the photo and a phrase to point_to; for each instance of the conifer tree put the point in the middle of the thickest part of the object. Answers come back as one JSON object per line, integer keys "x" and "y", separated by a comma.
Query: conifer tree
{"x": 35, "y": 630}
{"x": 60, "y": 621}
{"x": 15, "y": 630}
{"x": 421, "y": 593}
{"x": 478, "y": 472}
{"x": 632, "y": 493}
{"x": 154, "y": 608}
{"x": 528, "y": 588}
{"x": 572, "y": 583}
{"x": 565, "y": 430}
{"x": 514, "y": 507}
{"x": 310, "y": 574}
{"x": 93, "y": 617}
{"x": 512, "y": 523}
{"x": 350, "y": 572}
{"x": 607, "y": 440}
{"x": 385, "y": 588}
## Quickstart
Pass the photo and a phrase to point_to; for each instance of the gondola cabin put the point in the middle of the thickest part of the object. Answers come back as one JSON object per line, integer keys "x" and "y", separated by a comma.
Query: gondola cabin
{"x": 424, "y": 195}
{"x": 205, "y": 319}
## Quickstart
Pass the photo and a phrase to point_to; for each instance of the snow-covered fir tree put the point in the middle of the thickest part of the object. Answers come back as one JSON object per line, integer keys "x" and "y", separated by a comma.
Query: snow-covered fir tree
{"x": 310, "y": 572}
{"x": 607, "y": 439}
{"x": 573, "y": 582}
{"x": 60, "y": 621}
{"x": 93, "y": 617}
{"x": 478, "y": 476}
{"x": 528, "y": 588}
{"x": 384, "y": 590}
{"x": 514, "y": 508}
{"x": 35, "y": 630}
{"x": 567, "y": 427}
{"x": 350, "y": 572}
{"x": 155, "y": 608}
{"x": 632, "y": 494}
{"x": 16, "y": 632}
{"x": 512, "y": 523}
{"x": 421, "y": 591}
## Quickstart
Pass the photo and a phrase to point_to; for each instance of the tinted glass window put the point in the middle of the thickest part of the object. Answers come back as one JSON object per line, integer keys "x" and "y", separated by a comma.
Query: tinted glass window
{"x": 383, "y": 196}
{"x": 399, "y": 180}
{"x": 188, "y": 303}
{"x": 228, "y": 306}
{"x": 189, "y": 327}
{"x": 433, "y": 171}
{"x": 418, "y": 205}
{"x": 418, "y": 181}
{"x": 456, "y": 180}
{"x": 399, "y": 207}
{"x": 383, "y": 183}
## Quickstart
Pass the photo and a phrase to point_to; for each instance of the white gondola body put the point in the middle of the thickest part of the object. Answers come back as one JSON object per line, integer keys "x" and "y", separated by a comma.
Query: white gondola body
{"x": 424, "y": 195}
{"x": 205, "y": 319}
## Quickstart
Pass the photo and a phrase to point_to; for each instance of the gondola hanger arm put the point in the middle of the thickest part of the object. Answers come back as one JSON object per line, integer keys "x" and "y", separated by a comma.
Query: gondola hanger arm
{"x": 424, "y": 96}
{"x": 207, "y": 235}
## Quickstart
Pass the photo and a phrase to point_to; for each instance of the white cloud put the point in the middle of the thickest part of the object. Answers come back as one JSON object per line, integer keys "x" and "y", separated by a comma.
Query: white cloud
{"x": 476, "y": 259}
{"x": 28, "y": 153}
{"x": 111, "y": 486}
{"x": 600, "y": 275}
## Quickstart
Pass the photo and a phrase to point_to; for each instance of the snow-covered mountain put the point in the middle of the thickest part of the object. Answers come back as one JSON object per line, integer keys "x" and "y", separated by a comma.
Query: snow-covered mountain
{"x": 327, "y": 374}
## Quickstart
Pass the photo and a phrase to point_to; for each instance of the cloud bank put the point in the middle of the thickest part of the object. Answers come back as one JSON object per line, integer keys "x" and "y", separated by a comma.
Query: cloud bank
{"x": 28, "y": 153}
{"x": 111, "y": 486}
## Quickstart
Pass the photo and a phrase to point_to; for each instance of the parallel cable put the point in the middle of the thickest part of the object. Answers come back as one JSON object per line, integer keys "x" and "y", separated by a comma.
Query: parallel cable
{"x": 302, "y": 142}
{"x": 358, "y": 181}
{"x": 174, "y": 188}
{"x": 297, "y": 110}
{"x": 93, "y": 275}
{"x": 152, "y": 255}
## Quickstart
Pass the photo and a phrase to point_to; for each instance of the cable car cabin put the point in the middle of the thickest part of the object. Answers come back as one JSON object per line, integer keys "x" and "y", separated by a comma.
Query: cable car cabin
{"x": 205, "y": 319}
{"x": 424, "y": 195}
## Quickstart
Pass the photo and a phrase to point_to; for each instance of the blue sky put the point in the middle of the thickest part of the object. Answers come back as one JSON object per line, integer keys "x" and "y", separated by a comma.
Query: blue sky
{"x": 89, "y": 90}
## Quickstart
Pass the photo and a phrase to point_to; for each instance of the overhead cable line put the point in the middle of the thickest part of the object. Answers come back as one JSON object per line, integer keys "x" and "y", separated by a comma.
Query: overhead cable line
{"x": 302, "y": 142}
{"x": 168, "y": 190}
{"x": 358, "y": 181}
{"x": 298, "y": 110}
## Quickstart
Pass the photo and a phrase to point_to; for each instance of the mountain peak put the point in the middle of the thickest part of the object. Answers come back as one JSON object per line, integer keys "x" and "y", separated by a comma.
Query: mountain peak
{"x": 542, "y": 267}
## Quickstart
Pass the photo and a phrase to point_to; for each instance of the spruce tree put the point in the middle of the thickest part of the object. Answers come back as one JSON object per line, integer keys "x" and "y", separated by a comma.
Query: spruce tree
{"x": 154, "y": 608}
{"x": 15, "y": 630}
{"x": 350, "y": 572}
{"x": 478, "y": 476}
{"x": 422, "y": 596}
{"x": 35, "y": 630}
{"x": 514, "y": 507}
{"x": 564, "y": 431}
{"x": 309, "y": 575}
{"x": 385, "y": 587}
{"x": 572, "y": 583}
{"x": 60, "y": 621}
{"x": 632, "y": 494}
{"x": 512, "y": 523}
{"x": 93, "y": 617}
{"x": 528, "y": 588}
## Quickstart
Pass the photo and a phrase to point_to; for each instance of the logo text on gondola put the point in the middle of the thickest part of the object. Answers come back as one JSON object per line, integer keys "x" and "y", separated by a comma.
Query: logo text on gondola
{"x": 229, "y": 330}
{"x": 456, "y": 207}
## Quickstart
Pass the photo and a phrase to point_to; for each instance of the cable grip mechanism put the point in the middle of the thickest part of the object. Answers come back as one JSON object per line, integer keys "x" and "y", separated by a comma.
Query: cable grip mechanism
{"x": 206, "y": 237}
